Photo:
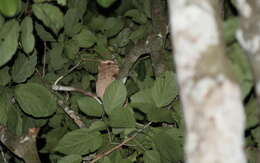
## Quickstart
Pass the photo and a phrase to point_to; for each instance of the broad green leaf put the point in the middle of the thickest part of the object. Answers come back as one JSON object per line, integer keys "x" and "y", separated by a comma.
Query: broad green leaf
{"x": 97, "y": 23}
{"x": 230, "y": 27}
{"x": 42, "y": 33}
{"x": 5, "y": 105}
{"x": 4, "y": 76}
{"x": 98, "y": 126}
{"x": 101, "y": 47}
{"x": 122, "y": 39}
{"x": 50, "y": 15}
{"x": 144, "y": 102}
{"x": 256, "y": 134}
{"x": 71, "y": 159}
{"x": 147, "y": 8}
{"x": 168, "y": 147}
{"x": 35, "y": 100}
{"x": 240, "y": 67}
{"x": 71, "y": 49}
{"x": 122, "y": 117}
{"x": 30, "y": 122}
{"x": 15, "y": 121}
{"x": 151, "y": 156}
{"x": 90, "y": 64}
{"x": 136, "y": 16}
{"x": 139, "y": 33}
{"x": 9, "y": 35}
{"x": 85, "y": 38}
{"x": 113, "y": 26}
{"x": 160, "y": 115}
{"x": 165, "y": 89}
{"x": 80, "y": 141}
{"x": 71, "y": 22}
{"x": 114, "y": 96}
{"x": 23, "y": 67}
{"x": 80, "y": 5}
{"x": 251, "y": 109}
{"x": 105, "y": 3}
{"x": 52, "y": 138}
{"x": 27, "y": 37}
{"x": 90, "y": 106}
{"x": 57, "y": 61}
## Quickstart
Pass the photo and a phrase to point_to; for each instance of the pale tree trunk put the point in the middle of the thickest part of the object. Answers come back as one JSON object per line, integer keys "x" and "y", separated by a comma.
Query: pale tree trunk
{"x": 249, "y": 37}
{"x": 211, "y": 98}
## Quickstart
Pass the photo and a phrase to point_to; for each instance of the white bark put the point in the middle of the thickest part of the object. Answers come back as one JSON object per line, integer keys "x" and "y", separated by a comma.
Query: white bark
{"x": 211, "y": 99}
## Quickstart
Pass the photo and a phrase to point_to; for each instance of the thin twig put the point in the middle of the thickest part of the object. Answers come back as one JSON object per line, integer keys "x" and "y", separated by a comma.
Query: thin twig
{"x": 100, "y": 156}
{"x": 73, "y": 115}
{"x": 57, "y": 87}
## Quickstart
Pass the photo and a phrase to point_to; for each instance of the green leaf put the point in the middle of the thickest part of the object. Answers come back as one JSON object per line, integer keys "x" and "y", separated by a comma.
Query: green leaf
{"x": 4, "y": 76}
{"x": 71, "y": 49}
{"x": 122, "y": 118}
{"x": 80, "y": 141}
{"x": 97, "y": 23}
{"x": 114, "y": 96}
{"x": 85, "y": 38}
{"x": 251, "y": 113}
{"x": 42, "y": 33}
{"x": 57, "y": 61}
{"x": 105, "y": 3}
{"x": 160, "y": 115}
{"x": 230, "y": 27}
{"x": 23, "y": 67}
{"x": 165, "y": 89}
{"x": 71, "y": 159}
{"x": 98, "y": 126}
{"x": 139, "y": 33}
{"x": 144, "y": 102}
{"x": 52, "y": 138}
{"x": 169, "y": 148}
{"x": 27, "y": 37}
{"x": 50, "y": 15}
{"x": 80, "y": 5}
{"x": 35, "y": 100}
{"x": 15, "y": 121}
{"x": 90, "y": 106}
{"x": 136, "y": 16}
{"x": 240, "y": 67}
{"x": 5, "y": 105}
{"x": 147, "y": 8}
{"x": 122, "y": 39}
{"x": 151, "y": 156}
{"x": 71, "y": 22}
{"x": 9, "y": 34}
{"x": 113, "y": 26}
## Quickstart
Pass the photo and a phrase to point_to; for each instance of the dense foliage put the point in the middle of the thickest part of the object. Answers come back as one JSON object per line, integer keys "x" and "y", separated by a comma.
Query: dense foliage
{"x": 46, "y": 45}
